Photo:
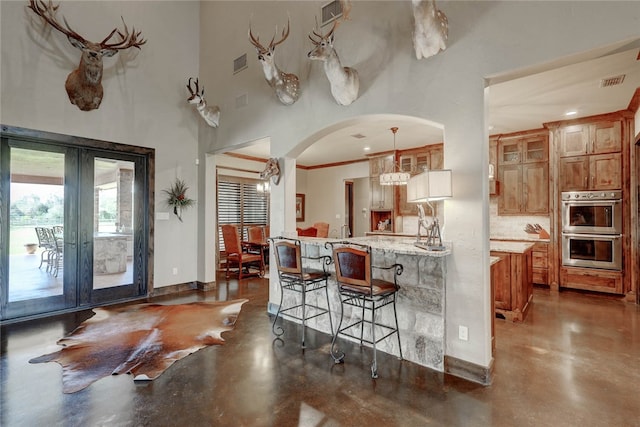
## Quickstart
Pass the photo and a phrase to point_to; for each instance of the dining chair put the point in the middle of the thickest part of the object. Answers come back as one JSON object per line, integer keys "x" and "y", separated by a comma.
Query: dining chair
{"x": 359, "y": 290}
{"x": 238, "y": 254}
{"x": 308, "y": 232}
{"x": 295, "y": 276}
{"x": 322, "y": 229}
{"x": 47, "y": 243}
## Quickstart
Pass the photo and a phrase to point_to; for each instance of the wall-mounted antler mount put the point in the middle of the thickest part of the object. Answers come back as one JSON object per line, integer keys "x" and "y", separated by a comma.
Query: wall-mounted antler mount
{"x": 210, "y": 113}
{"x": 84, "y": 84}
{"x": 271, "y": 170}
{"x": 431, "y": 28}
{"x": 344, "y": 81}
{"x": 286, "y": 85}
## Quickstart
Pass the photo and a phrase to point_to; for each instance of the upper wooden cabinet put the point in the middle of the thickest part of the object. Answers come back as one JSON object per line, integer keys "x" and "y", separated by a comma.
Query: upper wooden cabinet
{"x": 590, "y": 156}
{"x": 523, "y": 173}
{"x": 523, "y": 149}
{"x": 380, "y": 164}
{"x": 596, "y": 172}
{"x": 415, "y": 162}
{"x": 590, "y": 138}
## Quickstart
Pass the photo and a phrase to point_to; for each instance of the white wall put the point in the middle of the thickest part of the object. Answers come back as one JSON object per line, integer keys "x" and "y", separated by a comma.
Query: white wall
{"x": 324, "y": 193}
{"x": 485, "y": 38}
{"x": 144, "y": 100}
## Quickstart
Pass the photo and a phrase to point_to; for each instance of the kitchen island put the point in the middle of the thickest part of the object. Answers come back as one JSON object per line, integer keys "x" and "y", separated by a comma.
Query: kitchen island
{"x": 512, "y": 282}
{"x": 420, "y": 303}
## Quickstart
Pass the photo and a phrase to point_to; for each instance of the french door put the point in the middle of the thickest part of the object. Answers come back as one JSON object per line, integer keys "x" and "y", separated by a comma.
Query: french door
{"x": 74, "y": 226}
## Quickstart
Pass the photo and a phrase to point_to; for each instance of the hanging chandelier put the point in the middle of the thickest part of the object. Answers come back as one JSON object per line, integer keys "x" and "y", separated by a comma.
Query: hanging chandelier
{"x": 394, "y": 177}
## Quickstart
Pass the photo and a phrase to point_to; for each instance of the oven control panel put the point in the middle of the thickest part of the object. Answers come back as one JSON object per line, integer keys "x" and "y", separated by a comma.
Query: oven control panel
{"x": 592, "y": 195}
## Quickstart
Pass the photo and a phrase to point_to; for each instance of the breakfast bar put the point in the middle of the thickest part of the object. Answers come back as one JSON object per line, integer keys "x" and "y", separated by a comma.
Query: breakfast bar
{"x": 513, "y": 284}
{"x": 421, "y": 298}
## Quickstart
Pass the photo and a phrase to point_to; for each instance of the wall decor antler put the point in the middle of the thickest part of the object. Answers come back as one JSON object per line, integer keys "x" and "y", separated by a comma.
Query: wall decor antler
{"x": 344, "y": 81}
{"x": 286, "y": 85}
{"x": 210, "y": 113}
{"x": 84, "y": 84}
{"x": 431, "y": 28}
{"x": 271, "y": 170}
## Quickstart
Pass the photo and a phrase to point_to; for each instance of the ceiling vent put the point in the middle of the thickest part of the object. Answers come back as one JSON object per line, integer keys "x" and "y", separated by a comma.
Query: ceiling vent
{"x": 358, "y": 136}
{"x": 612, "y": 81}
{"x": 240, "y": 63}
{"x": 331, "y": 11}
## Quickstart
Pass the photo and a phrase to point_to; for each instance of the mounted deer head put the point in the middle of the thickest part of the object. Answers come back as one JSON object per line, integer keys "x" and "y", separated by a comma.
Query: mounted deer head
{"x": 84, "y": 84}
{"x": 286, "y": 85}
{"x": 271, "y": 170}
{"x": 431, "y": 28}
{"x": 344, "y": 81}
{"x": 210, "y": 114}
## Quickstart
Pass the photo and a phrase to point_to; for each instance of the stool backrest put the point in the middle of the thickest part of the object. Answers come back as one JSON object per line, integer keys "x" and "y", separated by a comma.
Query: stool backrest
{"x": 288, "y": 256}
{"x": 353, "y": 266}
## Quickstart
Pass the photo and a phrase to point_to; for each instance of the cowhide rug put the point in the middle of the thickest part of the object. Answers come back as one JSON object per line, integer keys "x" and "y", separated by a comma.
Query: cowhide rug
{"x": 143, "y": 340}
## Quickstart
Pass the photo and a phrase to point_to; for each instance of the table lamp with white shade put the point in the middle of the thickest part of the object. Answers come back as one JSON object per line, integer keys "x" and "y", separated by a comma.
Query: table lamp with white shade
{"x": 431, "y": 185}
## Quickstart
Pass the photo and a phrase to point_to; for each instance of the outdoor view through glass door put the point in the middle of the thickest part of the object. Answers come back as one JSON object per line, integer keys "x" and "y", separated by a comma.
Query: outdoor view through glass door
{"x": 75, "y": 232}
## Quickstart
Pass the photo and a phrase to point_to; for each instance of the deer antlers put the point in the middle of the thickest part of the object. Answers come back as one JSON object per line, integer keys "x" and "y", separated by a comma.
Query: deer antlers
{"x": 84, "y": 84}
{"x": 47, "y": 11}
{"x": 272, "y": 44}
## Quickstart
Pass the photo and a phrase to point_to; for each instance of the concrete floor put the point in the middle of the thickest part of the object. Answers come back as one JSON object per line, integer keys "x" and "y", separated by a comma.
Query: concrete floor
{"x": 575, "y": 361}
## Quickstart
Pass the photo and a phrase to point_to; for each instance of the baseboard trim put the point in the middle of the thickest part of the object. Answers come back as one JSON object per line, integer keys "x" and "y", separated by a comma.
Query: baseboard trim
{"x": 172, "y": 289}
{"x": 205, "y": 286}
{"x": 469, "y": 371}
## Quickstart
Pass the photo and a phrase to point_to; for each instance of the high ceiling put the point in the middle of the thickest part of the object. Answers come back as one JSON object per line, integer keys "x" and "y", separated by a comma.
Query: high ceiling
{"x": 520, "y": 101}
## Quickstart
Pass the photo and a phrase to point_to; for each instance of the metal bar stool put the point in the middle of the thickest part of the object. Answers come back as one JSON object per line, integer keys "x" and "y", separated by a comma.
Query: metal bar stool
{"x": 295, "y": 277}
{"x": 357, "y": 288}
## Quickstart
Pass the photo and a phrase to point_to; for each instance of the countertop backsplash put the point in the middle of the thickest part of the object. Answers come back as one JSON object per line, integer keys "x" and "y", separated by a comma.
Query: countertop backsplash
{"x": 512, "y": 227}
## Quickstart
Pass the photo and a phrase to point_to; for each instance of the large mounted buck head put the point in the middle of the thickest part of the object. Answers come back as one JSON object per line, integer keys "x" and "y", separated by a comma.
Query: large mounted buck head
{"x": 84, "y": 84}
{"x": 286, "y": 85}
{"x": 344, "y": 81}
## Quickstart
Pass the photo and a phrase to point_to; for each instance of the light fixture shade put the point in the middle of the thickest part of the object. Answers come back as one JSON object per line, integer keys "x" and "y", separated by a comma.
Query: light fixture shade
{"x": 394, "y": 178}
{"x": 430, "y": 185}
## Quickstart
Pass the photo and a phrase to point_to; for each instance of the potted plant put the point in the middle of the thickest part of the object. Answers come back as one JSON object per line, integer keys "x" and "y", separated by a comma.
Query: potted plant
{"x": 176, "y": 197}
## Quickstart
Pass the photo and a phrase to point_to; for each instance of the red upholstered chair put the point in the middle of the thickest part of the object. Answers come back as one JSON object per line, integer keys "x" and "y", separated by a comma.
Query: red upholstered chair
{"x": 237, "y": 254}
{"x": 323, "y": 229}
{"x": 357, "y": 288}
{"x": 307, "y": 232}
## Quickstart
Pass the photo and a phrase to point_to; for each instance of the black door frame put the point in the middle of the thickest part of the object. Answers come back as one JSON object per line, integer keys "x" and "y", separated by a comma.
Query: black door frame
{"x": 145, "y": 160}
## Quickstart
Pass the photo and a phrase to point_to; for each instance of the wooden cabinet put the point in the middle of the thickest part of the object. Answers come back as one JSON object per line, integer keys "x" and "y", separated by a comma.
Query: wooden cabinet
{"x": 591, "y": 138}
{"x": 540, "y": 263}
{"x": 380, "y": 164}
{"x": 513, "y": 286}
{"x": 523, "y": 173}
{"x": 591, "y": 279}
{"x": 416, "y": 162}
{"x": 590, "y": 156}
{"x": 595, "y": 172}
{"x": 381, "y": 195}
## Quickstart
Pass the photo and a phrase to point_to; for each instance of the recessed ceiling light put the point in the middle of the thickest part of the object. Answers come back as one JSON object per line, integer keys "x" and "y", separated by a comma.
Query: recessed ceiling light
{"x": 570, "y": 113}
{"x": 490, "y": 127}
{"x": 367, "y": 148}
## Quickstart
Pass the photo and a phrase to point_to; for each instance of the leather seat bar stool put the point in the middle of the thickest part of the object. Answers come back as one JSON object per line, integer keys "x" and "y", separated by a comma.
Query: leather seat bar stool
{"x": 295, "y": 277}
{"x": 358, "y": 289}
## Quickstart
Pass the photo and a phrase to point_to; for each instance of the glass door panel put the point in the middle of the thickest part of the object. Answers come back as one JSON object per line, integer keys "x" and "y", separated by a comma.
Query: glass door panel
{"x": 35, "y": 180}
{"x": 112, "y": 225}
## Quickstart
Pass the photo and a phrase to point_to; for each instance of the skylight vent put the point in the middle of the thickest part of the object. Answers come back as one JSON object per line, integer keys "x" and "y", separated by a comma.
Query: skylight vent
{"x": 331, "y": 11}
{"x": 358, "y": 136}
{"x": 612, "y": 81}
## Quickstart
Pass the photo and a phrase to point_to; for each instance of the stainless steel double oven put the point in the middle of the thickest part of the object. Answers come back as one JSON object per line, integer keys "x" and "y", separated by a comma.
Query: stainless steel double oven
{"x": 592, "y": 229}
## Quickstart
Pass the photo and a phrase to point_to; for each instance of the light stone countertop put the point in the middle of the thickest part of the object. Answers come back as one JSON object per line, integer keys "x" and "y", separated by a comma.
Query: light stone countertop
{"x": 401, "y": 245}
{"x": 493, "y": 259}
{"x": 513, "y": 247}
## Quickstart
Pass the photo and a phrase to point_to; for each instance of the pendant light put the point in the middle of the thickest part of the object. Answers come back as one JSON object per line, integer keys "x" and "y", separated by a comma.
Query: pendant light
{"x": 394, "y": 177}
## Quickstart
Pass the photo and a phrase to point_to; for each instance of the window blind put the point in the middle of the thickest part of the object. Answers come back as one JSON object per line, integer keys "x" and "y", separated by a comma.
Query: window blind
{"x": 240, "y": 204}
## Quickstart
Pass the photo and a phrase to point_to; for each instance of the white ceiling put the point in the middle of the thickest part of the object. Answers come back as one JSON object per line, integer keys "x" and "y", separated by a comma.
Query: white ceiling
{"x": 515, "y": 104}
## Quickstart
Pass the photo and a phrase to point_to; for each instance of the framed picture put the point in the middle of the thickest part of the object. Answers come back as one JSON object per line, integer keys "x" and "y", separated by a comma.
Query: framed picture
{"x": 299, "y": 207}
